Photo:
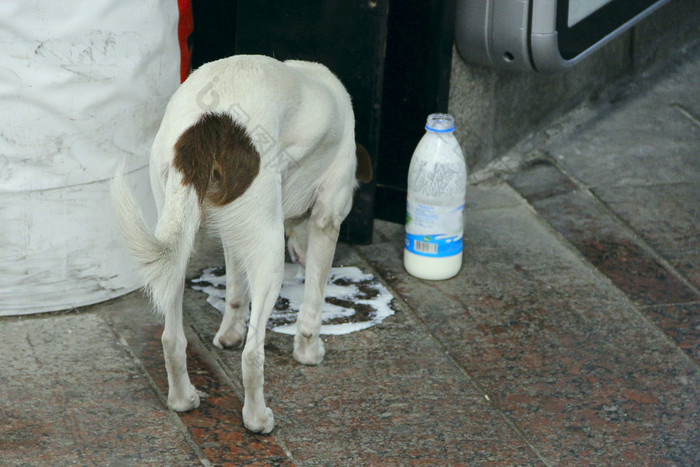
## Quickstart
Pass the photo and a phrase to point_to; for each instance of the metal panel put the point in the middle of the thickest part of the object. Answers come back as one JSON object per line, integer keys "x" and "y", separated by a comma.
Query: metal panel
{"x": 529, "y": 35}
{"x": 494, "y": 33}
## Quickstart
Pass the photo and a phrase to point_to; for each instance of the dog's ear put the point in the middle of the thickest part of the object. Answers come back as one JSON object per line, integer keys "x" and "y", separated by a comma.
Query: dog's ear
{"x": 363, "y": 172}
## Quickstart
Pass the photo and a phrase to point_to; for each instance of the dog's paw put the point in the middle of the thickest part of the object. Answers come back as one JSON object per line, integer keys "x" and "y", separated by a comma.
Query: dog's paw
{"x": 259, "y": 423}
{"x": 227, "y": 340}
{"x": 308, "y": 350}
{"x": 188, "y": 400}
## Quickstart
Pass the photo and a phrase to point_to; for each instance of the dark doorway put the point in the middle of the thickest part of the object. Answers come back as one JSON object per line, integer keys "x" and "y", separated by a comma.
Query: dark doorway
{"x": 393, "y": 56}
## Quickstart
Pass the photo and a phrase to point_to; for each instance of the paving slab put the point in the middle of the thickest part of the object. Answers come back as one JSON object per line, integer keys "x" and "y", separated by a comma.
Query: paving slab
{"x": 387, "y": 395}
{"x": 216, "y": 427}
{"x": 612, "y": 247}
{"x": 623, "y": 186}
{"x": 72, "y": 395}
{"x": 643, "y": 132}
{"x": 565, "y": 356}
{"x": 638, "y": 154}
{"x": 667, "y": 216}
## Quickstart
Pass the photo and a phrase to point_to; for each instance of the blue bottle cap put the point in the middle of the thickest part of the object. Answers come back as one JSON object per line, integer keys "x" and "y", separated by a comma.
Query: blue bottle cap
{"x": 440, "y": 123}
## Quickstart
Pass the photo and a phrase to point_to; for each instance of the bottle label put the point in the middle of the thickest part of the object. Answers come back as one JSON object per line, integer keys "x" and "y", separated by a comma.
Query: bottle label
{"x": 433, "y": 231}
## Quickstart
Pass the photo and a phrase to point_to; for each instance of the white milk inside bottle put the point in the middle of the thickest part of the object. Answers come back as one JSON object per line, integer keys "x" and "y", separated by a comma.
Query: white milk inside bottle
{"x": 437, "y": 181}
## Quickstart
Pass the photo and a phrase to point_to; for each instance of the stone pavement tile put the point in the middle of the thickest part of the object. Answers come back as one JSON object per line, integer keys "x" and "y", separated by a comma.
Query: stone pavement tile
{"x": 660, "y": 148}
{"x": 681, "y": 323}
{"x": 387, "y": 395}
{"x": 666, "y": 216}
{"x": 490, "y": 195}
{"x": 649, "y": 135}
{"x": 216, "y": 426}
{"x": 617, "y": 253}
{"x": 73, "y": 395}
{"x": 677, "y": 81}
{"x": 541, "y": 180}
{"x": 609, "y": 247}
{"x": 563, "y": 354}
{"x": 688, "y": 264}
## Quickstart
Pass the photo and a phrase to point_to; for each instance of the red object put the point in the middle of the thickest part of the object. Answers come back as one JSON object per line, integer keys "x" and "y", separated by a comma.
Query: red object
{"x": 184, "y": 29}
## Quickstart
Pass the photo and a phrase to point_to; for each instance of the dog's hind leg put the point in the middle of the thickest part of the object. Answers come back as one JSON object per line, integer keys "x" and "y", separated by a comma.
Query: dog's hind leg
{"x": 163, "y": 258}
{"x": 253, "y": 227}
{"x": 265, "y": 268}
{"x": 182, "y": 396}
{"x": 232, "y": 329}
{"x": 177, "y": 228}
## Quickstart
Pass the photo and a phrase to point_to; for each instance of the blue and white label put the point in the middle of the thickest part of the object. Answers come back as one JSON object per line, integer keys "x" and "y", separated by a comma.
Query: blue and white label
{"x": 434, "y": 230}
{"x": 436, "y": 246}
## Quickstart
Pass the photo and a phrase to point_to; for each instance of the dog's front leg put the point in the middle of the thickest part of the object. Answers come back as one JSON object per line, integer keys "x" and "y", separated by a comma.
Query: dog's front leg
{"x": 182, "y": 396}
{"x": 323, "y": 235}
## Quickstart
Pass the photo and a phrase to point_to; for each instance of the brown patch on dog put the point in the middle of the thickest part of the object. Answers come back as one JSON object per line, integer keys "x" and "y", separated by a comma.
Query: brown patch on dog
{"x": 363, "y": 172}
{"x": 217, "y": 157}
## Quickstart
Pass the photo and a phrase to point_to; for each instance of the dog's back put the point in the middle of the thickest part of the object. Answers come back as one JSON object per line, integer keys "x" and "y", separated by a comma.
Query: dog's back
{"x": 289, "y": 110}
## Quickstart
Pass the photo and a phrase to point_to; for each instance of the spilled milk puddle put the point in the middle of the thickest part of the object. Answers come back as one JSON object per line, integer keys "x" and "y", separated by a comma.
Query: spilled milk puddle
{"x": 354, "y": 300}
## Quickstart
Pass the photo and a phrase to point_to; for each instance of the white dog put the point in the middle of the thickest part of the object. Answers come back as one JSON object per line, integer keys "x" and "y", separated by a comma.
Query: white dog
{"x": 254, "y": 147}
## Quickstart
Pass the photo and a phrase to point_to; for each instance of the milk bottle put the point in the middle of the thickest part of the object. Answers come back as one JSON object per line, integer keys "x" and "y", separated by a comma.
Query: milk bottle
{"x": 437, "y": 180}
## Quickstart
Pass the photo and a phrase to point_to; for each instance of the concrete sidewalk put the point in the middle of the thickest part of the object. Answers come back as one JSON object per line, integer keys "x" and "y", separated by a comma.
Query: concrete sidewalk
{"x": 570, "y": 337}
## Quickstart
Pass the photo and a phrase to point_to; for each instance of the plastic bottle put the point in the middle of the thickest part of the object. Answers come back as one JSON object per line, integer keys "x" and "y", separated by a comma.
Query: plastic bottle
{"x": 437, "y": 181}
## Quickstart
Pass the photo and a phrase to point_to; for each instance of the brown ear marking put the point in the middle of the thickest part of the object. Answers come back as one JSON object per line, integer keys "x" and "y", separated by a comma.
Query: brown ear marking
{"x": 217, "y": 157}
{"x": 363, "y": 172}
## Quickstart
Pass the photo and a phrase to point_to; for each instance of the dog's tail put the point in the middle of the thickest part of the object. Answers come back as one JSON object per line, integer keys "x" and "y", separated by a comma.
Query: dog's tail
{"x": 162, "y": 256}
